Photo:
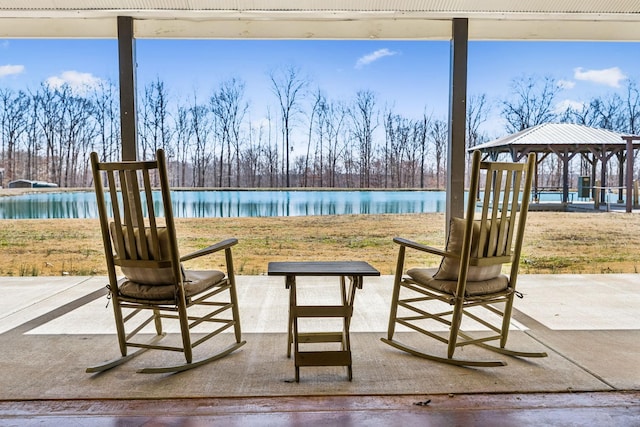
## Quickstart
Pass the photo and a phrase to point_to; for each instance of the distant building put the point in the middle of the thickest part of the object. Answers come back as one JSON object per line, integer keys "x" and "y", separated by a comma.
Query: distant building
{"x": 27, "y": 183}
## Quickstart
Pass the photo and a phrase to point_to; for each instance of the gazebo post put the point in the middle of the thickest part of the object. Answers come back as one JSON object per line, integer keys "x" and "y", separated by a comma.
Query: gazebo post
{"x": 535, "y": 178}
{"x": 629, "y": 140}
{"x": 620, "y": 175}
{"x": 565, "y": 176}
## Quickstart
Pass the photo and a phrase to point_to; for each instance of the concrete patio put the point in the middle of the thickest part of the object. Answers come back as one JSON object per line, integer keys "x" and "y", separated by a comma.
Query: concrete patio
{"x": 52, "y": 328}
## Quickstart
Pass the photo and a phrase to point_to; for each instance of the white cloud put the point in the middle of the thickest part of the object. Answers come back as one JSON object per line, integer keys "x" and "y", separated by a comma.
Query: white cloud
{"x": 7, "y": 70}
{"x": 608, "y": 76}
{"x": 77, "y": 81}
{"x": 562, "y": 106}
{"x": 566, "y": 84}
{"x": 372, "y": 57}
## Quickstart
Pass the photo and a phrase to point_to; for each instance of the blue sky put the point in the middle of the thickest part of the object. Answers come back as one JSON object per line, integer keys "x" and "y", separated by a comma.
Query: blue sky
{"x": 413, "y": 76}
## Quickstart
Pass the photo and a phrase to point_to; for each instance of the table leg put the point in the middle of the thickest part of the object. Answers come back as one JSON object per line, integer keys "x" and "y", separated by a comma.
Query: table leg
{"x": 347, "y": 300}
{"x": 290, "y": 283}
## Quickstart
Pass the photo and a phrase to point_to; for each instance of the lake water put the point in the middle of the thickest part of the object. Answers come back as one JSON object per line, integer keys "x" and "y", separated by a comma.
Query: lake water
{"x": 222, "y": 204}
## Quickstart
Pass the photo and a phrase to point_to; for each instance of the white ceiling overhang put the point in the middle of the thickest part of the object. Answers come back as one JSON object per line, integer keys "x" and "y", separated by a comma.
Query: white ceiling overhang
{"x": 595, "y": 20}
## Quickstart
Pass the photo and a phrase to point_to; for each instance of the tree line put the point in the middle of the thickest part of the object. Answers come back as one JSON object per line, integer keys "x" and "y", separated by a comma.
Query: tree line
{"x": 211, "y": 140}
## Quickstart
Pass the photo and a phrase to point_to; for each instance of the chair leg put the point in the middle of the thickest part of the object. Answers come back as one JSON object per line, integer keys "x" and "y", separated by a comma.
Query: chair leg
{"x": 190, "y": 365}
{"x": 506, "y": 320}
{"x": 233, "y": 295}
{"x": 125, "y": 358}
{"x": 122, "y": 336}
{"x": 396, "y": 293}
{"x": 456, "y": 319}
{"x": 157, "y": 321}
{"x": 184, "y": 328}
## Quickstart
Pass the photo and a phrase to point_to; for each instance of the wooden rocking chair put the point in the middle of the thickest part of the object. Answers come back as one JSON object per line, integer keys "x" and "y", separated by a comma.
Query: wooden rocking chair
{"x": 139, "y": 237}
{"x": 469, "y": 281}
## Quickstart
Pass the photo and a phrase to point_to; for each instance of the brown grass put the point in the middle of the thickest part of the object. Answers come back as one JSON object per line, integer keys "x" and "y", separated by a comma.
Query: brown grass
{"x": 554, "y": 242}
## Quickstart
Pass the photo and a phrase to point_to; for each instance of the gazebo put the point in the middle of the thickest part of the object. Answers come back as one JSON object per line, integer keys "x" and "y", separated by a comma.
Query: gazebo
{"x": 566, "y": 140}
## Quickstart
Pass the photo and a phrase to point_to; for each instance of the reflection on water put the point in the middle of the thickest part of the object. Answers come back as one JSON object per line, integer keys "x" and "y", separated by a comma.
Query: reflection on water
{"x": 221, "y": 204}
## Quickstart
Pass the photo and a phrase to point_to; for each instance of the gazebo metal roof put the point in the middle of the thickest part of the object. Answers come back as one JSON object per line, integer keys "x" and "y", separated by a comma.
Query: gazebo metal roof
{"x": 557, "y": 137}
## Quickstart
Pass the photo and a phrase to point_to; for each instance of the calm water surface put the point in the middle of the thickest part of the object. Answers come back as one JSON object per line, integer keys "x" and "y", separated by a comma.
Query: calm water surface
{"x": 220, "y": 204}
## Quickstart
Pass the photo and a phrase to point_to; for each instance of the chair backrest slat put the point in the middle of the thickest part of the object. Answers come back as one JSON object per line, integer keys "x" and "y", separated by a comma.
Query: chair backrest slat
{"x": 129, "y": 219}
{"x": 502, "y": 211}
{"x": 115, "y": 203}
{"x": 151, "y": 214}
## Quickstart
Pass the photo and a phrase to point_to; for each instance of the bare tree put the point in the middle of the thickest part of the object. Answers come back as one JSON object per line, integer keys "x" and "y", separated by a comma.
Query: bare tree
{"x": 49, "y": 117}
{"x": 477, "y": 113}
{"x": 633, "y": 108}
{"x": 396, "y": 134}
{"x": 363, "y": 121}
{"x": 13, "y": 114}
{"x": 609, "y": 112}
{"x": 200, "y": 129}
{"x": 251, "y": 158}
{"x": 586, "y": 114}
{"x": 77, "y": 129}
{"x": 421, "y": 130}
{"x": 156, "y": 130}
{"x": 288, "y": 86}
{"x": 182, "y": 138}
{"x": 229, "y": 109}
{"x": 439, "y": 135}
{"x": 335, "y": 118}
{"x": 317, "y": 107}
{"x": 532, "y": 103}
{"x": 34, "y": 136}
{"x": 106, "y": 114}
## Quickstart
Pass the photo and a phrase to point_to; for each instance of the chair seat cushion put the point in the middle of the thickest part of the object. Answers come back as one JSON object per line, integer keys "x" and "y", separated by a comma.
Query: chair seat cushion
{"x": 195, "y": 282}
{"x": 449, "y": 266}
{"x": 141, "y": 275}
{"x": 425, "y": 277}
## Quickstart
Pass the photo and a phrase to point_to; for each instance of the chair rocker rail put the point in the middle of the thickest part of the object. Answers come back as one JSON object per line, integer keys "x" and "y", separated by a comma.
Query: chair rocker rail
{"x": 194, "y": 364}
{"x": 450, "y": 361}
{"x": 509, "y": 352}
{"x": 120, "y": 360}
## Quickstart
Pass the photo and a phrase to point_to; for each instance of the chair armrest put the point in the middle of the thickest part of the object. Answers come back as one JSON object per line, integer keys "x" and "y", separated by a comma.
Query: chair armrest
{"x": 424, "y": 248}
{"x": 210, "y": 249}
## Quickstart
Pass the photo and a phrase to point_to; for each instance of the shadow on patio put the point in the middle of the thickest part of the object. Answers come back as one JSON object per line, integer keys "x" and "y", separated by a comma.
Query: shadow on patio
{"x": 52, "y": 328}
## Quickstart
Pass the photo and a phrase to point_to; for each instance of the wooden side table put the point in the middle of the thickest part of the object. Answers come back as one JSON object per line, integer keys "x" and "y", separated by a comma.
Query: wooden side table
{"x": 355, "y": 271}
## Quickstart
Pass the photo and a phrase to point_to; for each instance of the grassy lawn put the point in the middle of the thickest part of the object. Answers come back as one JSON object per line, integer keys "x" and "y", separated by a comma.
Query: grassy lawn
{"x": 554, "y": 242}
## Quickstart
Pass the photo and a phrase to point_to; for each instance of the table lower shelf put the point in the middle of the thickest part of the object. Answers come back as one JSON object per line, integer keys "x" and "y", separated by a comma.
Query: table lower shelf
{"x": 323, "y": 358}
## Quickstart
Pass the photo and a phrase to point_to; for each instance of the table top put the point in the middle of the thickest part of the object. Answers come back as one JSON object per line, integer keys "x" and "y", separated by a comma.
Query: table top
{"x": 322, "y": 268}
